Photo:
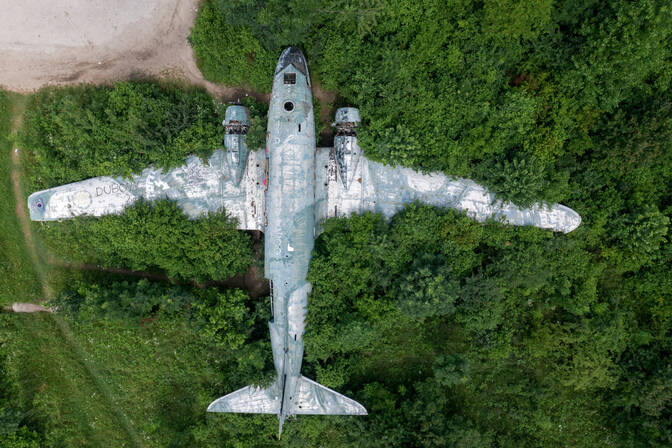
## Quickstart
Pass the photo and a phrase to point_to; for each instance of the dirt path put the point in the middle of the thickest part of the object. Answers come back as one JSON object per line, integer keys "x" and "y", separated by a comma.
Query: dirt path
{"x": 24, "y": 220}
{"x": 21, "y": 212}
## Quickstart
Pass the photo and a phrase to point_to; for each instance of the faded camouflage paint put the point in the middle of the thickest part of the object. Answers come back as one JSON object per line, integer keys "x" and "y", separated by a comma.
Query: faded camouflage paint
{"x": 196, "y": 187}
{"x": 387, "y": 189}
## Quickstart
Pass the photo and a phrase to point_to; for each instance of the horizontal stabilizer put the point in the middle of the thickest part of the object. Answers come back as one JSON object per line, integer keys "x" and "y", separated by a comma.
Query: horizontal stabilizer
{"x": 314, "y": 398}
{"x": 248, "y": 400}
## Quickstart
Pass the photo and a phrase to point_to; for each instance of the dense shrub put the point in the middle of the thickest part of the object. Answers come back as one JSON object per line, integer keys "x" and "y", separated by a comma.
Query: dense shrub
{"x": 154, "y": 236}
{"x": 80, "y": 132}
{"x": 230, "y": 54}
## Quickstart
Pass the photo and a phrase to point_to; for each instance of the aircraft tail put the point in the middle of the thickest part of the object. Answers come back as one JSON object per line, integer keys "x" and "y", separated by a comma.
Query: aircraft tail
{"x": 306, "y": 398}
{"x": 309, "y": 398}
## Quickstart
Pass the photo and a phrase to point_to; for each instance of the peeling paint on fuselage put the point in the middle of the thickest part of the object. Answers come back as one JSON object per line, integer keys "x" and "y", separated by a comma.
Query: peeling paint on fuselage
{"x": 290, "y": 230}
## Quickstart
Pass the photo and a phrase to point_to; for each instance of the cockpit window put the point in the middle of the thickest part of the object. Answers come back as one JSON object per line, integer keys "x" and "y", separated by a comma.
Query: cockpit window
{"x": 290, "y": 78}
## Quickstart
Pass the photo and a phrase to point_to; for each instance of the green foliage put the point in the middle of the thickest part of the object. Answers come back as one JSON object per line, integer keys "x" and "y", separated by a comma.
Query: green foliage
{"x": 154, "y": 235}
{"x": 227, "y": 319}
{"x": 522, "y": 180}
{"x": 465, "y": 87}
{"x": 80, "y": 132}
{"x": 451, "y": 370}
{"x": 428, "y": 290}
{"x": 132, "y": 351}
{"x": 256, "y": 134}
{"x": 23, "y": 438}
{"x": 230, "y": 54}
{"x": 274, "y": 23}
{"x": 514, "y": 319}
{"x": 450, "y": 332}
{"x": 120, "y": 301}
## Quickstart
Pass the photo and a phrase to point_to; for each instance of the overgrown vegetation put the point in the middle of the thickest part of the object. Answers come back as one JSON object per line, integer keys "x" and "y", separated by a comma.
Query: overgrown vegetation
{"x": 450, "y": 332}
{"x": 505, "y": 92}
{"x": 230, "y": 54}
{"x": 147, "y": 360}
{"x": 154, "y": 236}
{"x": 79, "y": 132}
{"x": 458, "y": 334}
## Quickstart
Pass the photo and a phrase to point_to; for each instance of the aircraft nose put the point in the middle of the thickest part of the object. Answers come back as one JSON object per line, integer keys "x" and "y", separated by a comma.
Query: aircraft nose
{"x": 294, "y": 56}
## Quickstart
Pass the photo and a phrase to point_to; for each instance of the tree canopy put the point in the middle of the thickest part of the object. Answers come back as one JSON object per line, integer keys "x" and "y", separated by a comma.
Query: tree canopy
{"x": 507, "y": 92}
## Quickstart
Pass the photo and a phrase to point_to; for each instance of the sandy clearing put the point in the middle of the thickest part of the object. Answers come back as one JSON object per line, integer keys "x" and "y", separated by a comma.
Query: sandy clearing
{"x": 63, "y": 42}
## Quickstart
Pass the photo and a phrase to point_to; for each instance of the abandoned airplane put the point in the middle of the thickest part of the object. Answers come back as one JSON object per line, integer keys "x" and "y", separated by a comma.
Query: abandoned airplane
{"x": 287, "y": 191}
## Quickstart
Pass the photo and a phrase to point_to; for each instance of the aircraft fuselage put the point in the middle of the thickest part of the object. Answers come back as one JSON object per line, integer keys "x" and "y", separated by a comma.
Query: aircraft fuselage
{"x": 290, "y": 229}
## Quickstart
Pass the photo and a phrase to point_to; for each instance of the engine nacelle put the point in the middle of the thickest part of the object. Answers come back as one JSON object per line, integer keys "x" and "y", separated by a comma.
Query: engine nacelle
{"x": 236, "y": 123}
{"x": 347, "y": 149}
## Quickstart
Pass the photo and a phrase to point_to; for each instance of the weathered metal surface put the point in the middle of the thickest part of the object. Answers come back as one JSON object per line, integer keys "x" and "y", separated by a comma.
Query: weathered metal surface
{"x": 236, "y": 123}
{"x": 196, "y": 187}
{"x": 293, "y": 56}
{"x": 387, "y": 189}
{"x": 249, "y": 400}
{"x": 346, "y": 117}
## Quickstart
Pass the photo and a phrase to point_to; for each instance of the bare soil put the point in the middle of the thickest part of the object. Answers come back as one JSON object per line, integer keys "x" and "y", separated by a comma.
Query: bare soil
{"x": 62, "y": 42}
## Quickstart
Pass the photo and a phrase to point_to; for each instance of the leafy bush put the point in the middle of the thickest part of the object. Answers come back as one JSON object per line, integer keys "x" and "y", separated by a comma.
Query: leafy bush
{"x": 230, "y": 54}
{"x": 450, "y": 321}
{"x": 256, "y": 134}
{"x": 154, "y": 236}
{"x": 79, "y": 132}
{"x": 427, "y": 290}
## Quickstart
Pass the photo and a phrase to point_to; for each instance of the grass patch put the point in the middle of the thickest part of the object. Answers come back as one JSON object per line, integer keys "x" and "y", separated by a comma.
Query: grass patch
{"x": 19, "y": 282}
{"x": 59, "y": 395}
{"x": 133, "y": 363}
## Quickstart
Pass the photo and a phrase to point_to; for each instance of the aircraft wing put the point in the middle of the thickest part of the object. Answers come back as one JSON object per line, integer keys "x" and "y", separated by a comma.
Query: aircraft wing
{"x": 387, "y": 189}
{"x": 197, "y": 187}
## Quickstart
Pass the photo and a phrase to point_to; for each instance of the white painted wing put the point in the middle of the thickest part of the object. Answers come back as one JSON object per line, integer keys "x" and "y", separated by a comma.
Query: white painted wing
{"x": 197, "y": 187}
{"x": 248, "y": 400}
{"x": 387, "y": 189}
